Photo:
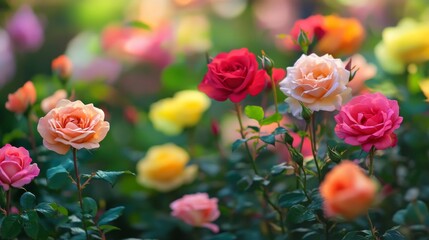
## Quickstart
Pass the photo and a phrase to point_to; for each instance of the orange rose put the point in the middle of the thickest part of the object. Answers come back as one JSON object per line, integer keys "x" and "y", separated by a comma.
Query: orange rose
{"x": 62, "y": 66}
{"x": 22, "y": 98}
{"x": 343, "y": 36}
{"x": 49, "y": 103}
{"x": 73, "y": 124}
{"x": 347, "y": 191}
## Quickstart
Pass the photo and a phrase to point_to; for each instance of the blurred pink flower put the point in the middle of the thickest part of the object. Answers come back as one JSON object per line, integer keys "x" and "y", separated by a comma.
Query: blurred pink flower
{"x": 197, "y": 210}
{"x": 138, "y": 44}
{"x": 7, "y": 59}
{"x": 15, "y": 167}
{"x": 50, "y": 102}
{"x": 369, "y": 120}
{"x": 365, "y": 71}
{"x": 25, "y": 29}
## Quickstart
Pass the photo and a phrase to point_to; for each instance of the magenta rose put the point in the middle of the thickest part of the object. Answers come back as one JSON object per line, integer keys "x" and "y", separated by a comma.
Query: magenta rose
{"x": 233, "y": 75}
{"x": 369, "y": 120}
{"x": 15, "y": 167}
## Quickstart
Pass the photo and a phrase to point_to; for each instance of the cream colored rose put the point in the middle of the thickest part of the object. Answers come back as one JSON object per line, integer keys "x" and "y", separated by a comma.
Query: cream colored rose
{"x": 72, "y": 124}
{"x": 406, "y": 43}
{"x": 50, "y": 102}
{"x": 171, "y": 115}
{"x": 164, "y": 168}
{"x": 320, "y": 83}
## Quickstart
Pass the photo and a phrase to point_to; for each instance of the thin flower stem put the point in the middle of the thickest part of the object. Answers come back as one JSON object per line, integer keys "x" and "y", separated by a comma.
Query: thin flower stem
{"x": 313, "y": 145}
{"x": 8, "y": 200}
{"x": 373, "y": 229}
{"x": 273, "y": 86}
{"x": 371, "y": 161}
{"x": 252, "y": 161}
{"x": 304, "y": 183}
{"x": 79, "y": 189}
{"x": 31, "y": 135}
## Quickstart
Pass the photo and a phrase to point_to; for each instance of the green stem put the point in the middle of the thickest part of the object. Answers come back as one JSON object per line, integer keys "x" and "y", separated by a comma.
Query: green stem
{"x": 8, "y": 200}
{"x": 79, "y": 189}
{"x": 304, "y": 183}
{"x": 313, "y": 145}
{"x": 274, "y": 87}
{"x": 277, "y": 209}
{"x": 371, "y": 161}
{"x": 373, "y": 229}
{"x": 240, "y": 121}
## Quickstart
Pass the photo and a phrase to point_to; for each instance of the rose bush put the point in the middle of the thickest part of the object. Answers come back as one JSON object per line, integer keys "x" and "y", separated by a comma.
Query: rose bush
{"x": 16, "y": 169}
{"x": 72, "y": 124}
{"x": 233, "y": 76}
{"x": 320, "y": 83}
{"x": 369, "y": 120}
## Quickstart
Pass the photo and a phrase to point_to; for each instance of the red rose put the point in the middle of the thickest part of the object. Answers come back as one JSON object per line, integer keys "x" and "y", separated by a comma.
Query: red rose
{"x": 233, "y": 75}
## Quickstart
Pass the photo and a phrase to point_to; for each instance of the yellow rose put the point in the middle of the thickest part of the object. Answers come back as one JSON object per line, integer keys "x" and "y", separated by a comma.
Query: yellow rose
{"x": 406, "y": 43}
{"x": 171, "y": 115}
{"x": 164, "y": 168}
{"x": 424, "y": 86}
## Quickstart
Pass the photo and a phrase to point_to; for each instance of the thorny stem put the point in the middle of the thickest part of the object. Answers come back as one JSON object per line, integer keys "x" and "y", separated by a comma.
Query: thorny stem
{"x": 79, "y": 189}
{"x": 313, "y": 145}
{"x": 373, "y": 229}
{"x": 264, "y": 190}
{"x": 371, "y": 161}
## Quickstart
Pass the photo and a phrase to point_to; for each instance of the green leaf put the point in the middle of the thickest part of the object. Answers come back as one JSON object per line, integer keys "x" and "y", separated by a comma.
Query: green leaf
{"x": 279, "y": 169}
{"x": 57, "y": 177}
{"x": 290, "y": 199}
{"x": 299, "y": 214}
{"x": 238, "y": 143}
{"x": 59, "y": 209}
{"x": 138, "y": 24}
{"x": 27, "y": 201}
{"x": 45, "y": 209}
{"x": 392, "y": 234}
{"x": 270, "y": 139}
{"x": 110, "y": 215}
{"x": 417, "y": 213}
{"x": 254, "y": 112}
{"x": 399, "y": 217}
{"x": 89, "y": 206}
{"x": 254, "y": 128}
{"x": 223, "y": 236}
{"x": 10, "y": 227}
{"x": 110, "y": 176}
{"x": 108, "y": 228}
{"x": 276, "y": 117}
{"x": 354, "y": 236}
{"x": 15, "y": 134}
{"x": 30, "y": 223}
{"x": 280, "y": 130}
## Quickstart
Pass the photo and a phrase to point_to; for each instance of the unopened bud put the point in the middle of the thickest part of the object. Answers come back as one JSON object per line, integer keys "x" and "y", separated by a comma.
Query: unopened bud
{"x": 296, "y": 156}
{"x": 303, "y": 41}
{"x": 334, "y": 155}
{"x": 306, "y": 113}
{"x": 267, "y": 63}
{"x": 62, "y": 67}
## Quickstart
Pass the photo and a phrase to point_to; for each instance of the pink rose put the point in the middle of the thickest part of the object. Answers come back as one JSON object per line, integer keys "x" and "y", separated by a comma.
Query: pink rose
{"x": 15, "y": 167}
{"x": 320, "y": 83}
{"x": 233, "y": 75}
{"x": 25, "y": 29}
{"x": 50, "y": 102}
{"x": 369, "y": 120}
{"x": 72, "y": 124}
{"x": 19, "y": 101}
{"x": 197, "y": 210}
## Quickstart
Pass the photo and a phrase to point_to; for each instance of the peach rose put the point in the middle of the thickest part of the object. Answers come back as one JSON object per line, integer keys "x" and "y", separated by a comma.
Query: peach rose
{"x": 72, "y": 124}
{"x": 320, "y": 83}
{"x": 49, "y": 103}
{"x": 347, "y": 191}
{"x": 197, "y": 210}
{"x": 19, "y": 101}
{"x": 62, "y": 66}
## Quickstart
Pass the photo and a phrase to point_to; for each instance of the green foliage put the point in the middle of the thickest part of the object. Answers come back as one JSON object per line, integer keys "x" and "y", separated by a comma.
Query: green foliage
{"x": 254, "y": 112}
{"x": 290, "y": 199}
{"x": 110, "y": 177}
{"x": 30, "y": 223}
{"x": 110, "y": 215}
{"x": 27, "y": 201}
{"x": 57, "y": 177}
{"x": 10, "y": 226}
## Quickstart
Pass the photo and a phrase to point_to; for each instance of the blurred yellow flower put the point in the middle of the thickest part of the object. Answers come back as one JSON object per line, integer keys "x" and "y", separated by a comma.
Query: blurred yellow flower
{"x": 171, "y": 115}
{"x": 406, "y": 43}
{"x": 164, "y": 168}
{"x": 424, "y": 86}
